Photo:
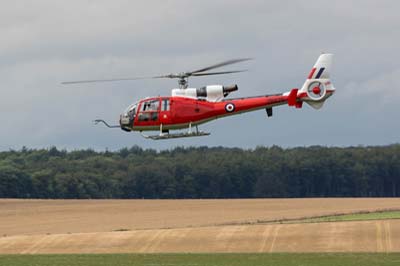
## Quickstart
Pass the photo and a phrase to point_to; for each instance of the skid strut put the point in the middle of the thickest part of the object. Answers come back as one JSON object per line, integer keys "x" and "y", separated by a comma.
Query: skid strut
{"x": 166, "y": 135}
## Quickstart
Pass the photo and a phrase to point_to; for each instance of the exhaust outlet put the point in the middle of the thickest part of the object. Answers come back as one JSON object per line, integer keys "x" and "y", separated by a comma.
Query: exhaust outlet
{"x": 230, "y": 88}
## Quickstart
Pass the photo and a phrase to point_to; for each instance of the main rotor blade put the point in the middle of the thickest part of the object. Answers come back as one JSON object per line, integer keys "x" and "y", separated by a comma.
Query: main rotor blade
{"x": 229, "y": 62}
{"x": 109, "y": 80}
{"x": 171, "y": 76}
{"x": 217, "y": 73}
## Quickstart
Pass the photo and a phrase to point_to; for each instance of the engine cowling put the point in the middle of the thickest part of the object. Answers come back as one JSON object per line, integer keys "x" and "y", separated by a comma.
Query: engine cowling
{"x": 211, "y": 93}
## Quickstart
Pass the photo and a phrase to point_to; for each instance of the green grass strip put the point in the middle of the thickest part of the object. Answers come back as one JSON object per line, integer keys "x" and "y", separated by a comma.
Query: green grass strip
{"x": 289, "y": 259}
{"x": 362, "y": 216}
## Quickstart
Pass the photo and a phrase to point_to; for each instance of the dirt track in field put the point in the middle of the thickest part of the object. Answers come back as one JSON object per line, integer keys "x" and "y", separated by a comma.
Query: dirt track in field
{"x": 41, "y": 226}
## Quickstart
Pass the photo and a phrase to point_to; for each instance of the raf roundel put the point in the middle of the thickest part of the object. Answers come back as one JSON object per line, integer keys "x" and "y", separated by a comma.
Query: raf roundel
{"x": 230, "y": 107}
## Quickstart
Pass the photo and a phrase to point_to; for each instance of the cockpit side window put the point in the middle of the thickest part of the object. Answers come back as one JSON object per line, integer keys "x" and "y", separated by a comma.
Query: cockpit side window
{"x": 149, "y": 110}
{"x": 151, "y": 106}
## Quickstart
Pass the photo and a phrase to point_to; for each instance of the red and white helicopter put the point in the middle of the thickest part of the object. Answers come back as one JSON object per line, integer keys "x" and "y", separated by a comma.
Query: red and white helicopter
{"x": 190, "y": 107}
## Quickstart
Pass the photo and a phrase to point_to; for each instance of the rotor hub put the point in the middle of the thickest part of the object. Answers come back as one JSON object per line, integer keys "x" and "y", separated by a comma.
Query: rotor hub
{"x": 183, "y": 83}
{"x": 316, "y": 90}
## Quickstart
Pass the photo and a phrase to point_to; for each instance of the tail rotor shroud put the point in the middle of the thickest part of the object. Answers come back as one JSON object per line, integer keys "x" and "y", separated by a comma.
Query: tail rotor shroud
{"x": 316, "y": 91}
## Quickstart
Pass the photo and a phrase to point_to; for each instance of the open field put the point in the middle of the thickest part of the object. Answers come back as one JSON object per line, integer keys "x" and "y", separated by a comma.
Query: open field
{"x": 202, "y": 226}
{"x": 358, "y": 236}
{"x": 21, "y": 217}
{"x": 333, "y": 259}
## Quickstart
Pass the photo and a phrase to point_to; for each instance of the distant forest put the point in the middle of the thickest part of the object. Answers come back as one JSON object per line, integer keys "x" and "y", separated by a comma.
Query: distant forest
{"x": 201, "y": 173}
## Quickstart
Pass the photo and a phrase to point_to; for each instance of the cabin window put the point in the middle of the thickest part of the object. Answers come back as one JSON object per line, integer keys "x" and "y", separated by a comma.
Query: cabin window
{"x": 154, "y": 116}
{"x": 151, "y": 105}
{"x": 144, "y": 117}
{"x": 149, "y": 110}
{"x": 165, "y": 105}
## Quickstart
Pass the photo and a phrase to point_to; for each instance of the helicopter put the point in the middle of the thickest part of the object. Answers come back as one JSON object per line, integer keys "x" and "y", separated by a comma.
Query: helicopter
{"x": 187, "y": 108}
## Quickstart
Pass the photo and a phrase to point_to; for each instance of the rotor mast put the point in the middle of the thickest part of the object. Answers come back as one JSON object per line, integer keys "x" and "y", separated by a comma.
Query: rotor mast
{"x": 183, "y": 83}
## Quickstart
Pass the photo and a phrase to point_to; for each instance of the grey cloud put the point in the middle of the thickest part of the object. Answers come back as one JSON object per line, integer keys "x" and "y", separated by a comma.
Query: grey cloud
{"x": 45, "y": 42}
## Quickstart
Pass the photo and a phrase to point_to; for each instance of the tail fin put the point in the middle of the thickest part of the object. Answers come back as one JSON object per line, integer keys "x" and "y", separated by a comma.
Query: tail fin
{"x": 318, "y": 86}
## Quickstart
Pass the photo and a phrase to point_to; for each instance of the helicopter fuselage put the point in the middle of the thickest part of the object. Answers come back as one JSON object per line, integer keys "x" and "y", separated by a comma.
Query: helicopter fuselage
{"x": 169, "y": 113}
{"x": 187, "y": 107}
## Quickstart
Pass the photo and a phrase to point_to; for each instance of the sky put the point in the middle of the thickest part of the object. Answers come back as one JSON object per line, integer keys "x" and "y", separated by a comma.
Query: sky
{"x": 45, "y": 42}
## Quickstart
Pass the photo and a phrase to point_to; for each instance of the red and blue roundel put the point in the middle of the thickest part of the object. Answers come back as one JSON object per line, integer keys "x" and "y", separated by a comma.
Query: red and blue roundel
{"x": 229, "y": 107}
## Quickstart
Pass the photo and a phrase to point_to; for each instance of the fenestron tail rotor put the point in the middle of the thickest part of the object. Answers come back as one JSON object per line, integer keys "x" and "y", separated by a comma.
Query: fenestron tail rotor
{"x": 183, "y": 76}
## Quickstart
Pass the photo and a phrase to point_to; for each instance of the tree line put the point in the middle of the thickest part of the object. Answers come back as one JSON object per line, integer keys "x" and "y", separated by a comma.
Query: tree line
{"x": 203, "y": 172}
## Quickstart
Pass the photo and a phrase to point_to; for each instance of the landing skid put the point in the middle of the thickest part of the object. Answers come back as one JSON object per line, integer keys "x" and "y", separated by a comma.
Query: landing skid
{"x": 175, "y": 136}
{"x": 188, "y": 134}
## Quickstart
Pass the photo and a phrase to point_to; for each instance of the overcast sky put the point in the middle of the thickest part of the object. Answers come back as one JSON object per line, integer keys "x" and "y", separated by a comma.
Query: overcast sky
{"x": 45, "y": 42}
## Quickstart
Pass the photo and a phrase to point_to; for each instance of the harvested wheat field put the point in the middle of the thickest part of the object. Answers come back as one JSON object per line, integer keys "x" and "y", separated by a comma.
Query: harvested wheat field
{"x": 360, "y": 236}
{"x": 121, "y": 226}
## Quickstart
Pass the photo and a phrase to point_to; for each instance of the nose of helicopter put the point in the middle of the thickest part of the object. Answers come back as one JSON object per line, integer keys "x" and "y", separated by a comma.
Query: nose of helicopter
{"x": 124, "y": 122}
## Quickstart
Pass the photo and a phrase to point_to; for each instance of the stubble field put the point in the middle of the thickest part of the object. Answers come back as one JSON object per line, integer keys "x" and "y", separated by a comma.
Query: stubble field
{"x": 173, "y": 226}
